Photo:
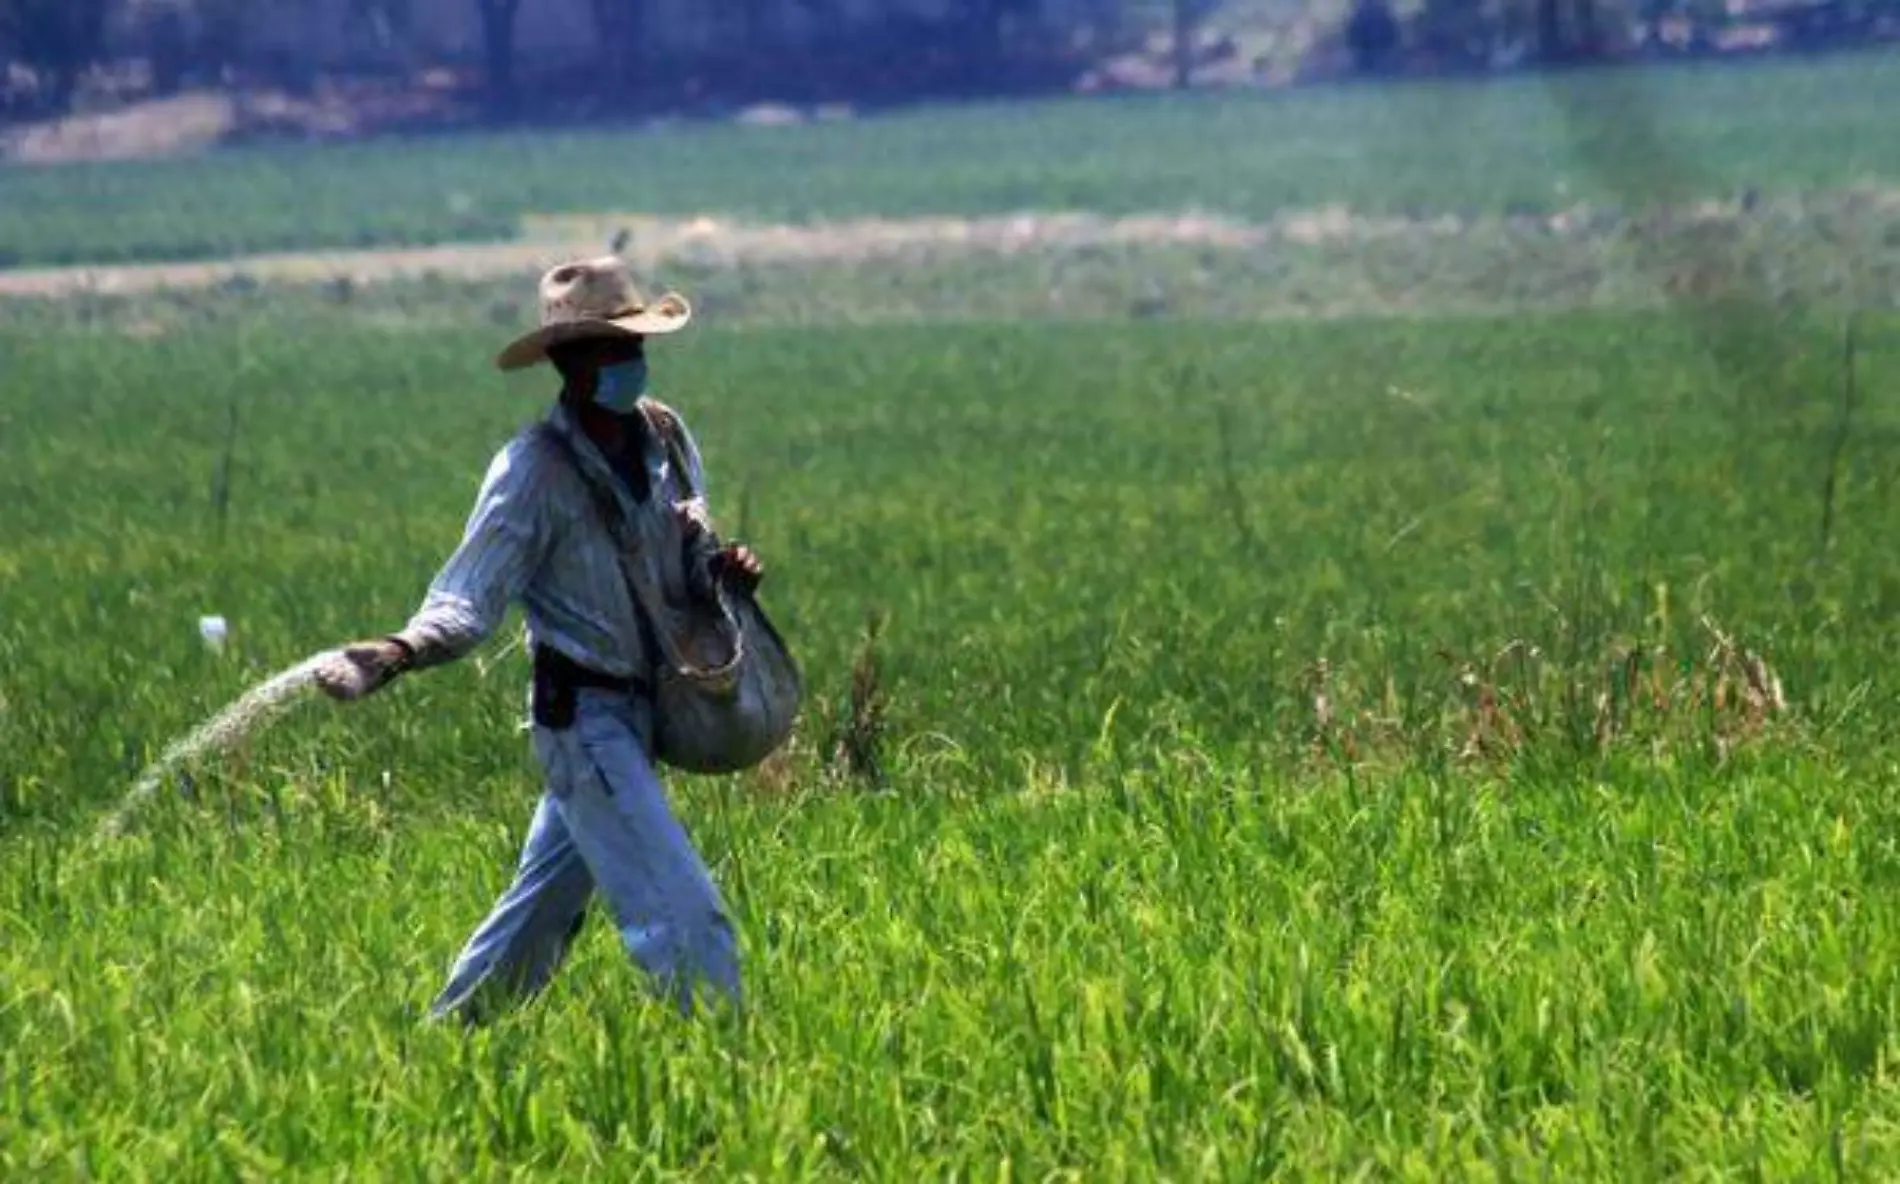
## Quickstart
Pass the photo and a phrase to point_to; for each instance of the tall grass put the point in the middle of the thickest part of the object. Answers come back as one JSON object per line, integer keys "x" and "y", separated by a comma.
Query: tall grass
{"x": 1515, "y": 798}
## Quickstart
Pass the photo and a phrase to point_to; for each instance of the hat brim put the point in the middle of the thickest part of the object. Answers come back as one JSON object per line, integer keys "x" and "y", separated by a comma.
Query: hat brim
{"x": 669, "y": 314}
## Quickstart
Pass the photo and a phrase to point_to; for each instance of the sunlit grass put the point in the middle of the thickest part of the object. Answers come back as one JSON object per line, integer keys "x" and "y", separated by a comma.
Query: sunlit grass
{"x": 1147, "y": 894}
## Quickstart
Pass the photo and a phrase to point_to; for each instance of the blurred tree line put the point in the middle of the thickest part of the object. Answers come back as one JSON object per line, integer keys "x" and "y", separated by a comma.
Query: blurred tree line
{"x": 645, "y": 54}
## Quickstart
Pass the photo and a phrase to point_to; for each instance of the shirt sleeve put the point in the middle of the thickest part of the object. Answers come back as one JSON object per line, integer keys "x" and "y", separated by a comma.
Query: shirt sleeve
{"x": 504, "y": 541}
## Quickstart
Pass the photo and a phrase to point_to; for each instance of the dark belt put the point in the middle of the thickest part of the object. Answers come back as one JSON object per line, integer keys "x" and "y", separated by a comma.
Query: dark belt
{"x": 558, "y": 677}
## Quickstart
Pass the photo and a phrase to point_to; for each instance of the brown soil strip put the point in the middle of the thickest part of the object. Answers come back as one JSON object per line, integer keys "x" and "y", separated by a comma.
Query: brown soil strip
{"x": 711, "y": 243}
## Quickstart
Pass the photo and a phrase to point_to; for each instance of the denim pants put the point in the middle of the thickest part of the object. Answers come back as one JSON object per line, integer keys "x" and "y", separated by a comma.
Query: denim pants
{"x": 603, "y": 824}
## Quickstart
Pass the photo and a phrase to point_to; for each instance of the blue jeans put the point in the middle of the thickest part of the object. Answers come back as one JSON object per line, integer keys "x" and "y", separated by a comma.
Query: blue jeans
{"x": 603, "y": 825}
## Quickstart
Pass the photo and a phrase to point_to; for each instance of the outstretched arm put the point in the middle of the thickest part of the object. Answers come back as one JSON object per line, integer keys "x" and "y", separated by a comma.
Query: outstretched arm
{"x": 504, "y": 541}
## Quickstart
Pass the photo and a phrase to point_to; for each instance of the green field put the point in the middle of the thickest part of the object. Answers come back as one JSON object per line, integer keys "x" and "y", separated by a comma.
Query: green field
{"x": 1621, "y": 137}
{"x": 1450, "y": 747}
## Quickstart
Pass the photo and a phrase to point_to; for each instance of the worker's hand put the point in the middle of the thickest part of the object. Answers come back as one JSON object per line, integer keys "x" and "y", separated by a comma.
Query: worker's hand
{"x": 735, "y": 564}
{"x": 739, "y": 566}
{"x": 362, "y": 669}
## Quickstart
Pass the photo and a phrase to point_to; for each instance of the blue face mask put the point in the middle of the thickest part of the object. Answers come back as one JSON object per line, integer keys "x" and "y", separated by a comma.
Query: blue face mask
{"x": 621, "y": 386}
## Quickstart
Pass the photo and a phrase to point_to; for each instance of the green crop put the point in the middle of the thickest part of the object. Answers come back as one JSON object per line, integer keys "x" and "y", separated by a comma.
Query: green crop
{"x": 1458, "y": 746}
{"x": 1618, "y": 137}
{"x": 1540, "y": 871}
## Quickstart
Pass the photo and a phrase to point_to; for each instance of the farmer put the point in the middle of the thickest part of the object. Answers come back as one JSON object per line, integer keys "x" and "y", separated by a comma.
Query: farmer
{"x": 603, "y": 822}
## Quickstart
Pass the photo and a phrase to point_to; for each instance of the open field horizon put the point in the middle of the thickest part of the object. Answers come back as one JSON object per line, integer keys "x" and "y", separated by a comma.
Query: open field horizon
{"x": 1380, "y": 704}
{"x": 1625, "y": 138}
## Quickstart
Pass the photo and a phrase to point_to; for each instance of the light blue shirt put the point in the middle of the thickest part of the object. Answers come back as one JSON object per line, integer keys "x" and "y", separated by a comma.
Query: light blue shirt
{"x": 535, "y": 536}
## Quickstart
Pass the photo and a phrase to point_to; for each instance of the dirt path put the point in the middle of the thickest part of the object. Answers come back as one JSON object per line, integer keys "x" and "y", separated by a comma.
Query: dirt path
{"x": 652, "y": 243}
{"x": 1826, "y": 219}
{"x": 300, "y": 267}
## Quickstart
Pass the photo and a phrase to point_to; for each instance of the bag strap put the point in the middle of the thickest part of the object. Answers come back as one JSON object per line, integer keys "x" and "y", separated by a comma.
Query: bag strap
{"x": 648, "y": 600}
{"x": 666, "y": 426}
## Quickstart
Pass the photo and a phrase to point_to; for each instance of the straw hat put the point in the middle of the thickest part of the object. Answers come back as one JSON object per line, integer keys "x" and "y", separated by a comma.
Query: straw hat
{"x": 594, "y": 298}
